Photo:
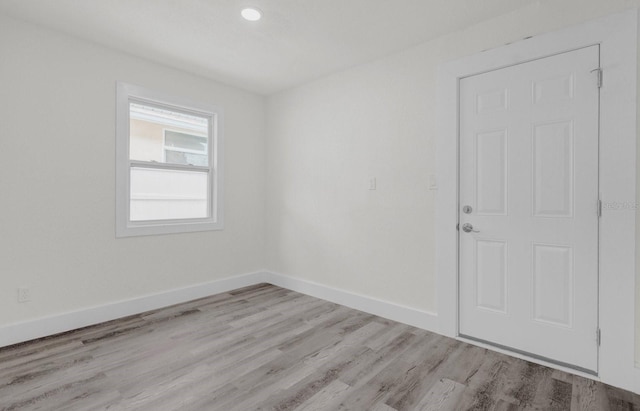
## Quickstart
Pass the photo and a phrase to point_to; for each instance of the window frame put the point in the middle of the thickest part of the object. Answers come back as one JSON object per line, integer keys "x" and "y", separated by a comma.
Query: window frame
{"x": 125, "y": 227}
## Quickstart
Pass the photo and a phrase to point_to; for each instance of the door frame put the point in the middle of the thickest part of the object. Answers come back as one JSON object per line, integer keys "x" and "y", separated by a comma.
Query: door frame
{"x": 617, "y": 37}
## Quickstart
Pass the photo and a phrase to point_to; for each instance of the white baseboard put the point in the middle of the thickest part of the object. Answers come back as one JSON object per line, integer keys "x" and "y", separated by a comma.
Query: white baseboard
{"x": 42, "y": 327}
{"x": 50, "y": 325}
{"x": 407, "y": 315}
{"x": 635, "y": 384}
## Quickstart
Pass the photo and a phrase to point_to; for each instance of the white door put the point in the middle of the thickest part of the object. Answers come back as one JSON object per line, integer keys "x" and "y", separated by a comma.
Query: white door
{"x": 529, "y": 176}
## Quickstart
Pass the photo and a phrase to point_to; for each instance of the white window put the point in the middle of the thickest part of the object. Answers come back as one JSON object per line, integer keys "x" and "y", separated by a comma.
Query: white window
{"x": 168, "y": 164}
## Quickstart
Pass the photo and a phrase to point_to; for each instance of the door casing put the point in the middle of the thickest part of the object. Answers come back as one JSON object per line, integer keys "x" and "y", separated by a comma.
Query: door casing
{"x": 617, "y": 37}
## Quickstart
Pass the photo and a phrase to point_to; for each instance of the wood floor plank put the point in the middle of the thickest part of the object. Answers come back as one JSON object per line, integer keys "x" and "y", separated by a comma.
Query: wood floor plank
{"x": 378, "y": 389}
{"x": 622, "y": 400}
{"x": 589, "y": 395}
{"x": 482, "y": 394}
{"x": 268, "y": 348}
{"x": 417, "y": 382}
{"x": 553, "y": 395}
{"x": 444, "y": 395}
{"x": 387, "y": 334}
{"x": 382, "y": 407}
{"x": 315, "y": 381}
{"x": 530, "y": 381}
{"x": 373, "y": 362}
{"x": 324, "y": 398}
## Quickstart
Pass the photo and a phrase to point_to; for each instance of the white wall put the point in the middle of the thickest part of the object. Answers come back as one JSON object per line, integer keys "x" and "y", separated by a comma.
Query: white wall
{"x": 57, "y": 179}
{"x": 327, "y": 138}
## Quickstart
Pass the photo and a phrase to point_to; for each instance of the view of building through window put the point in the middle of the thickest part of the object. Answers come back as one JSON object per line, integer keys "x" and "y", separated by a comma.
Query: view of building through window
{"x": 169, "y": 154}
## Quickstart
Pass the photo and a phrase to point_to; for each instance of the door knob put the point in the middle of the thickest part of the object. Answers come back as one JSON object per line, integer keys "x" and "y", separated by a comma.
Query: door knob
{"x": 468, "y": 228}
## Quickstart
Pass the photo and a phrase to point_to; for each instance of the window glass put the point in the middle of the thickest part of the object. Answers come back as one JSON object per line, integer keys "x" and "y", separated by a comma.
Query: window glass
{"x": 167, "y": 136}
{"x": 167, "y": 194}
{"x": 183, "y": 148}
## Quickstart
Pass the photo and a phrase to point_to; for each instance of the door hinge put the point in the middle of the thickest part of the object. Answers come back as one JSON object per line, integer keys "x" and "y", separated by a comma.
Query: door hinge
{"x": 458, "y": 227}
{"x": 598, "y": 72}
{"x": 598, "y": 337}
{"x": 599, "y": 208}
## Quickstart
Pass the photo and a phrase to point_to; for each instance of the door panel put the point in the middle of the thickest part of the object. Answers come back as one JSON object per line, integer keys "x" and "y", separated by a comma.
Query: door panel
{"x": 491, "y": 173}
{"x": 553, "y": 284}
{"x": 553, "y": 169}
{"x": 491, "y": 275}
{"x": 529, "y": 171}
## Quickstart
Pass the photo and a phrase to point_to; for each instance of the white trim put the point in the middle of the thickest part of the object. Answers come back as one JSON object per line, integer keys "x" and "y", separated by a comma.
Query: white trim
{"x": 392, "y": 311}
{"x": 58, "y": 323}
{"x": 617, "y": 36}
{"x": 54, "y": 324}
{"x": 125, "y": 93}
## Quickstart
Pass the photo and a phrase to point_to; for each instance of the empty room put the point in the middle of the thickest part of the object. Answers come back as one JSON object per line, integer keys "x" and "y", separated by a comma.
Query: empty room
{"x": 319, "y": 205}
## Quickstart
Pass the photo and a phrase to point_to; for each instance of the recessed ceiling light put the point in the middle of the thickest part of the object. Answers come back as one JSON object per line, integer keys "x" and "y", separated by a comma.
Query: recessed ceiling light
{"x": 251, "y": 14}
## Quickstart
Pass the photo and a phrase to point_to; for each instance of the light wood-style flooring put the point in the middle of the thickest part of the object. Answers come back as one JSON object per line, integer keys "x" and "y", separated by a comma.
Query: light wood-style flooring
{"x": 267, "y": 348}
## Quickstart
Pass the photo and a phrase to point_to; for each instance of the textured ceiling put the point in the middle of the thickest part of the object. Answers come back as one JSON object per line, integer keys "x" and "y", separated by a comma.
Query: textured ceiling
{"x": 296, "y": 41}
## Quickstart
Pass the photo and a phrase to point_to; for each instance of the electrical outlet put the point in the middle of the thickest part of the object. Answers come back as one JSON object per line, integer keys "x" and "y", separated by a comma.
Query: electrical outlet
{"x": 24, "y": 295}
